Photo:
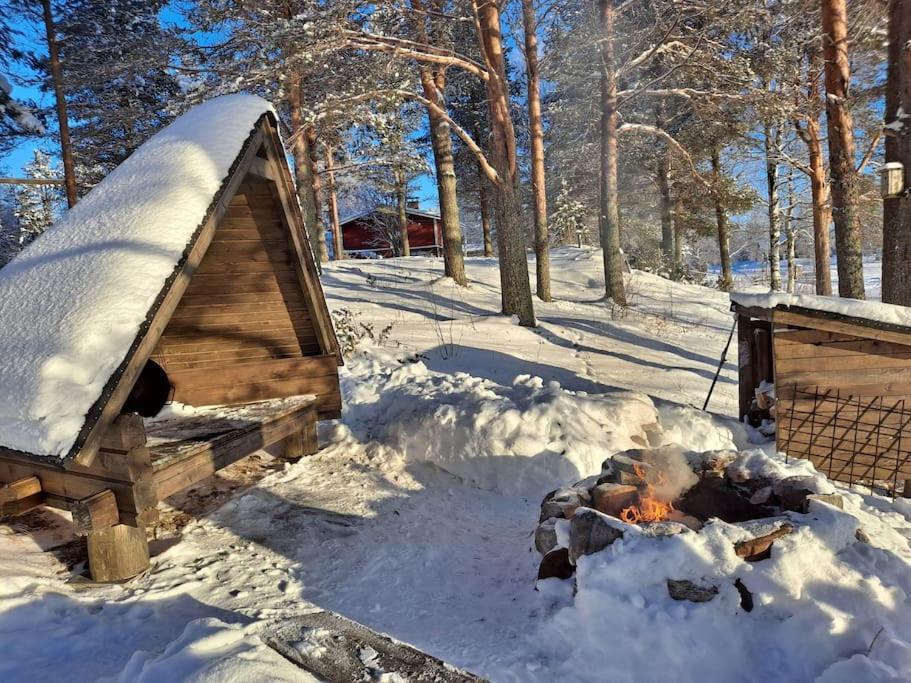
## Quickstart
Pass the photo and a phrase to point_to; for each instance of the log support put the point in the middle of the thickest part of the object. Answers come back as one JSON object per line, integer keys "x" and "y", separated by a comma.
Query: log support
{"x": 301, "y": 443}
{"x": 98, "y": 511}
{"x": 117, "y": 553}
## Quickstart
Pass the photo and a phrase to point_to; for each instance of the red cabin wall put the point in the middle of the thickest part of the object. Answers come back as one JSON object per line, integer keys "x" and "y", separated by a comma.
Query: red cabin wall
{"x": 358, "y": 235}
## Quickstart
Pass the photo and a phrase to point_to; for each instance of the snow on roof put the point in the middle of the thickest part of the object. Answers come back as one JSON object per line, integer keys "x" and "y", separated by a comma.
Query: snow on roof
{"x": 869, "y": 311}
{"x": 72, "y": 303}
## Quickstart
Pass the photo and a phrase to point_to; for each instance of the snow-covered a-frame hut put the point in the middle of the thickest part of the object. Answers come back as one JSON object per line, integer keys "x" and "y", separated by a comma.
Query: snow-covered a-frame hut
{"x": 841, "y": 371}
{"x": 189, "y": 257}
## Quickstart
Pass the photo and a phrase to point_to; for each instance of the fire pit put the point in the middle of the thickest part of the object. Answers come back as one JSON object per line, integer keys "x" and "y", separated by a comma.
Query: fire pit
{"x": 666, "y": 491}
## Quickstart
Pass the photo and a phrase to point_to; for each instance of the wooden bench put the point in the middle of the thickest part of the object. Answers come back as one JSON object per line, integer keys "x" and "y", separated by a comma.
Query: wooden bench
{"x": 142, "y": 462}
{"x": 187, "y": 449}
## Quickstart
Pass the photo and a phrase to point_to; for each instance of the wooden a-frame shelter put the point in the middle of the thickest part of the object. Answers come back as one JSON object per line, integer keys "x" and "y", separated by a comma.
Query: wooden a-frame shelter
{"x": 241, "y": 324}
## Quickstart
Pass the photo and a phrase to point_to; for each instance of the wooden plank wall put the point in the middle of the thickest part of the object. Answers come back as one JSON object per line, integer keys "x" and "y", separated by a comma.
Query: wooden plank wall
{"x": 754, "y": 344}
{"x": 844, "y": 402}
{"x": 244, "y": 327}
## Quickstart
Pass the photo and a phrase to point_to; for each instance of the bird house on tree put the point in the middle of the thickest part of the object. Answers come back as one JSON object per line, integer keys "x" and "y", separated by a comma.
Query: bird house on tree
{"x": 184, "y": 276}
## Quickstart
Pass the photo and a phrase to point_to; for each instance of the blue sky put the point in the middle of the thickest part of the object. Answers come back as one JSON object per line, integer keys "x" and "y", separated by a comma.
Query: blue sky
{"x": 423, "y": 188}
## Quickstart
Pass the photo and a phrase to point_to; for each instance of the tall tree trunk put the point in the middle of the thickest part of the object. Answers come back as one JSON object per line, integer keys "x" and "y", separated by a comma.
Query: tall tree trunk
{"x": 819, "y": 192}
{"x": 677, "y": 215}
{"x": 332, "y": 194}
{"x": 666, "y": 203}
{"x": 664, "y": 189}
{"x": 791, "y": 234}
{"x": 433, "y": 83}
{"x": 771, "y": 138}
{"x": 848, "y": 247}
{"x": 514, "y": 282}
{"x": 300, "y": 150}
{"x": 896, "y": 283}
{"x": 401, "y": 199}
{"x": 609, "y": 222}
{"x": 63, "y": 125}
{"x": 819, "y": 179}
{"x": 484, "y": 204}
{"x": 441, "y": 142}
{"x": 726, "y": 282}
{"x": 536, "y": 134}
{"x": 317, "y": 188}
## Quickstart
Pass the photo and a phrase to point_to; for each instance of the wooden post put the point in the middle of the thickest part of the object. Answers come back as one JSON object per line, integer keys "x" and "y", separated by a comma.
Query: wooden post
{"x": 117, "y": 553}
{"x": 744, "y": 364}
{"x": 301, "y": 443}
{"x": 906, "y": 492}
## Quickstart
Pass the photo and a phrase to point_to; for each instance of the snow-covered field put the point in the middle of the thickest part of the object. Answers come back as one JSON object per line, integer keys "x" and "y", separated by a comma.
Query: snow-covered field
{"x": 416, "y": 517}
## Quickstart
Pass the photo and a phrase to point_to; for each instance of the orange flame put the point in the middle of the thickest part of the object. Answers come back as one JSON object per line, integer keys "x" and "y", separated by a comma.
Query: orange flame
{"x": 650, "y": 508}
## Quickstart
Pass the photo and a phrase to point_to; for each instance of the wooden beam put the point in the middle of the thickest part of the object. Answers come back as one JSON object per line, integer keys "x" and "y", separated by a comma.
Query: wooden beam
{"x": 98, "y": 511}
{"x": 308, "y": 275}
{"x": 31, "y": 181}
{"x": 125, "y": 433}
{"x": 20, "y": 496}
{"x": 829, "y": 325}
{"x": 263, "y": 168}
{"x": 63, "y": 487}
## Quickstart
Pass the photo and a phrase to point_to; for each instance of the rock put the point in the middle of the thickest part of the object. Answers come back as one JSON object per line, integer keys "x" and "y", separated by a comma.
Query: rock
{"x": 687, "y": 590}
{"x": 746, "y": 597}
{"x": 590, "y": 532}
{"x": 546, "y": 536}
{"x": 830, "y": 498}
{"x": 556, "y": 565}
{"x": 792, "y": 492}
{"x": 587, "y": 484}
{"x": 761, "y": 496}
{"x": 627, "y": 469}
{"x": 862, "y": 536}
{"x": 560, "y": 503}
{"x": 658, "y": 529}
{"x": 611, "y": 499}
{"x": 711, "y": 463}
{"x": 760, "y": 548}
{"x": 682, "y": 518}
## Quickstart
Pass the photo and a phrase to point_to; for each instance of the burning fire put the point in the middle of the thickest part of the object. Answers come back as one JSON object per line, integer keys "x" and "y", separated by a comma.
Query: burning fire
{"x": 650, "y": 508}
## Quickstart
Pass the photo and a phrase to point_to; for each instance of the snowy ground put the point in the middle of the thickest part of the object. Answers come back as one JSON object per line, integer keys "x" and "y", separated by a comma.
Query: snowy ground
{"x": 416, "y": 516}
{"x": 752, "y": 274}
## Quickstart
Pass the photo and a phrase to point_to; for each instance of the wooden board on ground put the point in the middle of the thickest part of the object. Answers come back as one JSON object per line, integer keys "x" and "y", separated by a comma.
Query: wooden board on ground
{"x": 339, "y": 650}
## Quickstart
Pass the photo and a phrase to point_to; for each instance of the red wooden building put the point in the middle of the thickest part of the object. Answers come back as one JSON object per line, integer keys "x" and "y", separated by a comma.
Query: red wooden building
{"x": 364, "y": 237}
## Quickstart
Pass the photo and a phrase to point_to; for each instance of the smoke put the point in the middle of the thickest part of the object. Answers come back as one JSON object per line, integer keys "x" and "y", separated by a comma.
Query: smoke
{"x": 668, "y": 471}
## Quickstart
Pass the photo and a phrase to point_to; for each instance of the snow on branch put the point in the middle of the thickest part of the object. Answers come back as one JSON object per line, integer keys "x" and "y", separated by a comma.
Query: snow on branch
{"x": 658, "y": 132}
{"x": 413, "y": 50}
{"x": 462, "y": 134}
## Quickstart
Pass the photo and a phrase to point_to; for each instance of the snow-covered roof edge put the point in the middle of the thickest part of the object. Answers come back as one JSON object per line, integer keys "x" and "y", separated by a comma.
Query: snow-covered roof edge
{"x": 364, "y": 214}
{"x": 864, "y": 313}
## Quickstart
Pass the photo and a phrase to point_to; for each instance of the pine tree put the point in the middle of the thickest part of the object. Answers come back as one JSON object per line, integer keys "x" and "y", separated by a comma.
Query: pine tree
{"x": 17, "y": 119}
{"x": 119, "y": 86}
{"x": 37, "y": 205}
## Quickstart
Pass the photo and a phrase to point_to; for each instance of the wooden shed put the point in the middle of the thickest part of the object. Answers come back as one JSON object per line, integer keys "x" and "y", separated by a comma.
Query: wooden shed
{"x": 842, "y": 382}
{"x": 192, "y": 255}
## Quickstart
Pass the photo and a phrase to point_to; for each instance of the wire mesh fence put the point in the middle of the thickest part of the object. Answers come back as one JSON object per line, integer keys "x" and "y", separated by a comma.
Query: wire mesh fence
{"x": 852, "y": 439}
